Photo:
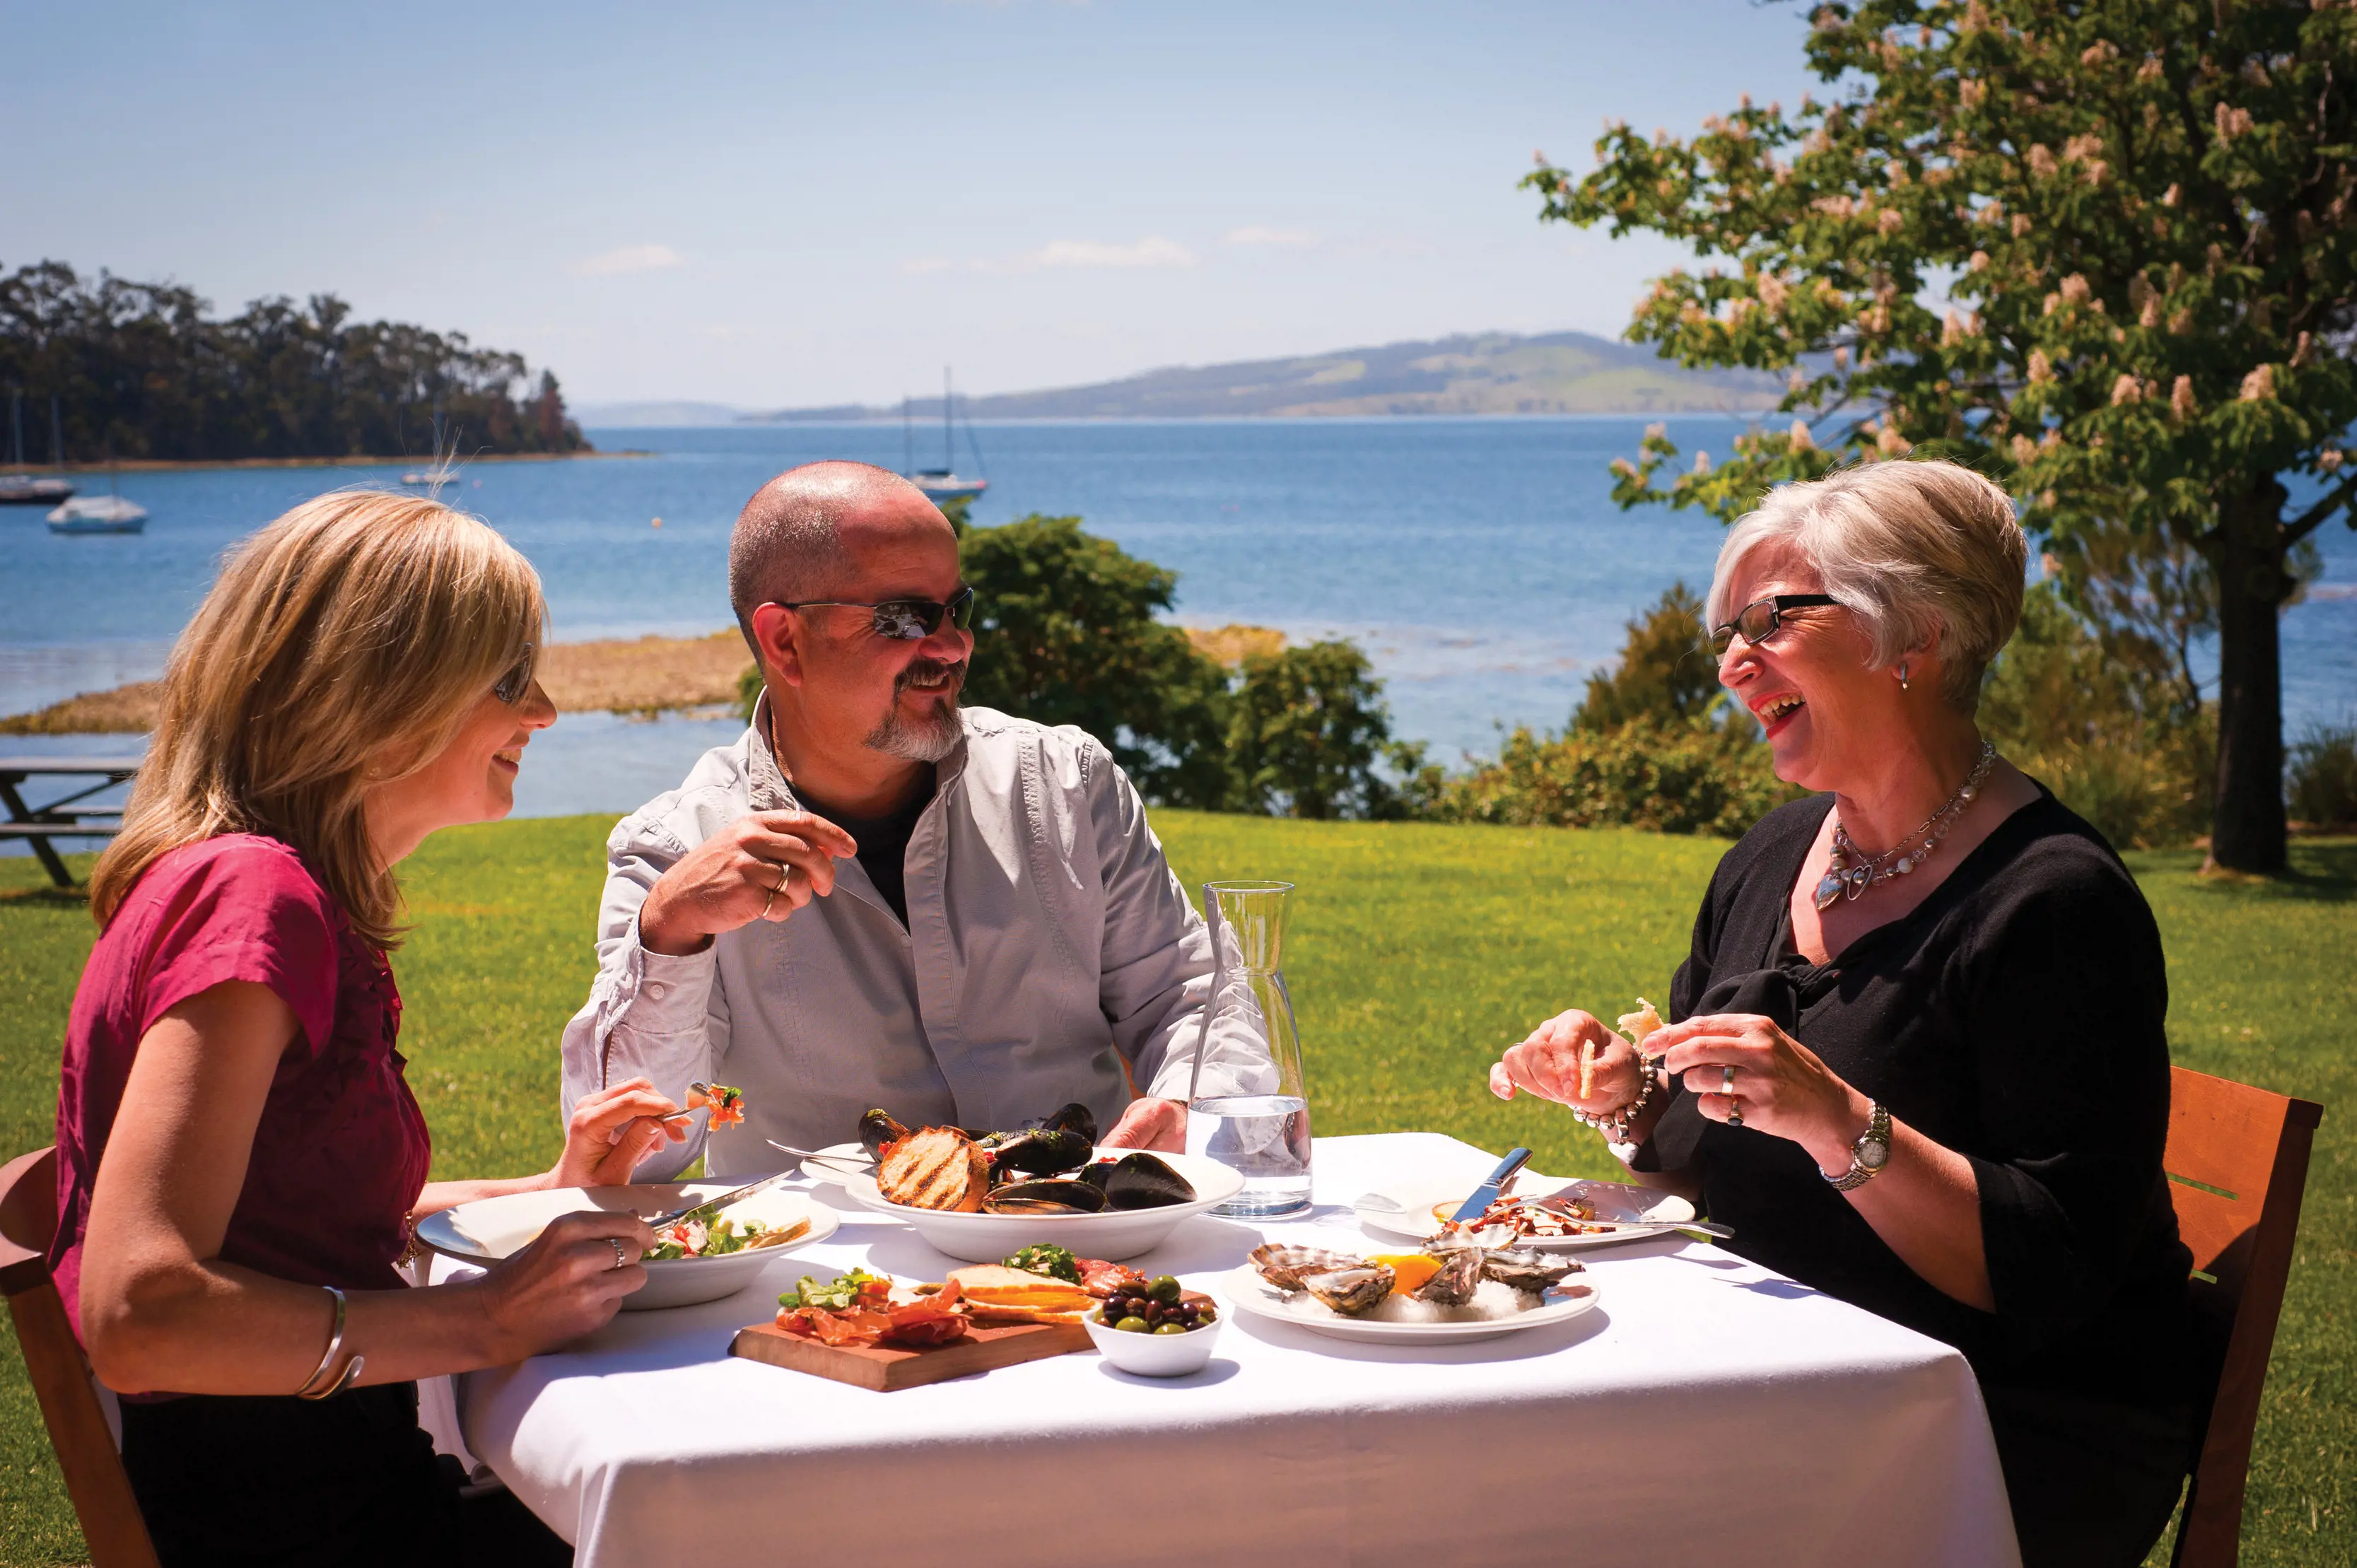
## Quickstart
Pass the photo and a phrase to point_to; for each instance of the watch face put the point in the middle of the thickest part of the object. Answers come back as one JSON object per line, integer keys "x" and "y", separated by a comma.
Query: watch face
{"x": 1873, "y": 1154}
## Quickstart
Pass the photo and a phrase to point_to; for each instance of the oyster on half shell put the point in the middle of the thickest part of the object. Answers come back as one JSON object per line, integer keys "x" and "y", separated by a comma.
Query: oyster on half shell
{"x": 1359, "y": 1287}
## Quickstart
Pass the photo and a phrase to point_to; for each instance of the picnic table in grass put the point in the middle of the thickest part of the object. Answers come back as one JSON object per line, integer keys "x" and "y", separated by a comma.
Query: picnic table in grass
{"x": 65, "y": 816}
{"x": 1707, "y": 1411}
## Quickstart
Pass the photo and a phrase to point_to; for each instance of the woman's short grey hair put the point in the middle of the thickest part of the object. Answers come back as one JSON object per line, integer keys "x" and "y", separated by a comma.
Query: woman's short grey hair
{"x": 1920, "y": 551}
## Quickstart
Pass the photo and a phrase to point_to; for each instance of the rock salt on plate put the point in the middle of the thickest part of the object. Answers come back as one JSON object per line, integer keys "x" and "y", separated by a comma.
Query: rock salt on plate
{"x": 1491, "y": 1301}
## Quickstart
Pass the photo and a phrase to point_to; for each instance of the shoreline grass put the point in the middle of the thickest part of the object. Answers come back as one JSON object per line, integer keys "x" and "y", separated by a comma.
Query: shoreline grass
{"x": 1417, "y": 951}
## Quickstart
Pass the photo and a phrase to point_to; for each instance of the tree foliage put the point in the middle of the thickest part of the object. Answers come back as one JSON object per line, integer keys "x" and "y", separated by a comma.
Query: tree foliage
{"x": 1311, "y": 736}
{"x": 2139, "y": 213}
{"x": 1665, "y": 673}
{"x": 144, "y": 371}
{"x": 1652, "y": 744}
{"x": 1065, "y": 633}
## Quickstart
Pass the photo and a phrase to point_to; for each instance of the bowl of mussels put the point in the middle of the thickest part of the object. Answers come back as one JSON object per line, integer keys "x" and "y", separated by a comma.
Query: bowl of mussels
{"x": 978, "y": 1194}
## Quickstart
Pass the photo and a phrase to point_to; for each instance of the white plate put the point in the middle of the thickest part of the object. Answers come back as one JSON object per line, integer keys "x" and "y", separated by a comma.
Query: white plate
{"x": 1114, "y": 1235}
{"x": 490, "y": 1228}
{"x": 1614, "y": 1200}
{"x": 1247, "y": 1292}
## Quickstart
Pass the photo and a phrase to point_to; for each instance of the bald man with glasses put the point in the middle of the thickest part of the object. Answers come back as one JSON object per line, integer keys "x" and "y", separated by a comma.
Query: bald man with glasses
{"x": 876, "y": 898}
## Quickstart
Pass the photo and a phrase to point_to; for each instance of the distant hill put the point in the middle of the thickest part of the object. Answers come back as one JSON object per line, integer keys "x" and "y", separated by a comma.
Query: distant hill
{"x": 1488, "y": 373}
{"x": 649, "y": 415}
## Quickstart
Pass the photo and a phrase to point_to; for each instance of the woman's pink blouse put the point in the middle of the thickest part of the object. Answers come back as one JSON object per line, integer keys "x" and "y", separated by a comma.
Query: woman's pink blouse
{"x": 341, "y": 1151}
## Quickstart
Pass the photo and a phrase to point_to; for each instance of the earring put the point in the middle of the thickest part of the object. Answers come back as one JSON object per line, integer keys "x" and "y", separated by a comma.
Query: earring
{"x": 1902, "y": 675}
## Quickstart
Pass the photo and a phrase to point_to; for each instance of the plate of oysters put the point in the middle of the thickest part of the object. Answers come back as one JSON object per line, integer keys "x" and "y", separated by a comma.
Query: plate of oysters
{"x": 1549, "y": 1213}
{"x": 980, "y": 1195}
{"x": 1457, "y": 1293}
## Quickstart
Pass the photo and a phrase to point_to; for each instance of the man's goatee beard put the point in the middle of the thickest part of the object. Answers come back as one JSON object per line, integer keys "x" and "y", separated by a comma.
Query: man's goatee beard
{"x": 927, "y": 739}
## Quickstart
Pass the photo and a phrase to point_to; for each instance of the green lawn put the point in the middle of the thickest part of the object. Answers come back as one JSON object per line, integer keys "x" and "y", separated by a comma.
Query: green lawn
{"x": 1417, "y": 950}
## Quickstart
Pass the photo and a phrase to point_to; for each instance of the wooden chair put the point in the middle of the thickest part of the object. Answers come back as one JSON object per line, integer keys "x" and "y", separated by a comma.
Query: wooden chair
{"x": 110, "y": 1524}
{"x": 2237, "y": 1161}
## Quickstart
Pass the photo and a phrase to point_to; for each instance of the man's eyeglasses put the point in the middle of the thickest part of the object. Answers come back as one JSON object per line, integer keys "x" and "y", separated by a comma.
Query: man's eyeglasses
{"x": 903, "y": 620}
{"x": 513, "y": 685}
{"x": 1762, "y": 619}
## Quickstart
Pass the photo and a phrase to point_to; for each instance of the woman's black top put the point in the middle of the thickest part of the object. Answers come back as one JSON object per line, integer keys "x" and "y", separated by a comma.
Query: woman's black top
{"x": 2014, "y": 1017}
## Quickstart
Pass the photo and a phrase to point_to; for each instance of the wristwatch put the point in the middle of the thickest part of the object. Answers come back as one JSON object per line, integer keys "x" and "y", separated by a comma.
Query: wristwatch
{"x": 1869, "y": 1154}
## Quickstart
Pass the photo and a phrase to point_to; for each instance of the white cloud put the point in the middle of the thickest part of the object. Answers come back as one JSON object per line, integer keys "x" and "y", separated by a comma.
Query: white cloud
{"x": 1255, "y": 235}
{"x": 627, "y": 259}
{"x": 1151, "y": 251}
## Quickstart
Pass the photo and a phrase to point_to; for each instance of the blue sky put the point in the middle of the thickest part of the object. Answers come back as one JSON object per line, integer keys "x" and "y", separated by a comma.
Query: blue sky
{"x": 795, "y": 204}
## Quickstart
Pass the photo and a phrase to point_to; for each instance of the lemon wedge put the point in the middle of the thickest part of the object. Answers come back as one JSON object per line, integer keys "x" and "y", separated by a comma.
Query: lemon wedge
{"x": 1410, "y": 1269}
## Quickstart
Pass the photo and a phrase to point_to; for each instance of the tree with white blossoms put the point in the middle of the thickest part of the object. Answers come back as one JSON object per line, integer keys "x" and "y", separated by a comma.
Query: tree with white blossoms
{"x": 2140, "y": 213}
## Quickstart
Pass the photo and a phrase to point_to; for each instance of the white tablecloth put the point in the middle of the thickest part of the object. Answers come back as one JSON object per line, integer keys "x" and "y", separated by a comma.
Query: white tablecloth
{"x": 1709, "y": 1412}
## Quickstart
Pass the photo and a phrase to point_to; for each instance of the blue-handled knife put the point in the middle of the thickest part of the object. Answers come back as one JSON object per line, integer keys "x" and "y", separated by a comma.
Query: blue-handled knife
{"x": 1486, "y": 1194}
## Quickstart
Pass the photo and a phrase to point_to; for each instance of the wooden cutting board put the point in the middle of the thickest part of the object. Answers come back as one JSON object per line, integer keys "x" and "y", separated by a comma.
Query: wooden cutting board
{"x": 888, "y": 1367}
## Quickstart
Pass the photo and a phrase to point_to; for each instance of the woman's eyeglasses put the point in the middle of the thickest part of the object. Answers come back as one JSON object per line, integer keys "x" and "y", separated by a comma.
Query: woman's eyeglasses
{"x": 1762, "y": 619}
{"x": 903, "y": 620}
{"x": 513, "y": 685}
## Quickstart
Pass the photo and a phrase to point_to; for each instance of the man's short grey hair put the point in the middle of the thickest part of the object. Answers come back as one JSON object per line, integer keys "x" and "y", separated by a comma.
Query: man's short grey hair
{"x": 1919, "y": 552}
{"x": 786, "y": 546}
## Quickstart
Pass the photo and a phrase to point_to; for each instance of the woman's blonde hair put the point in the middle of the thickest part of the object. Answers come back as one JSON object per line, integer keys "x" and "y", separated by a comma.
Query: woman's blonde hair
{"x": 343, "y": 646}
{"x": 1915, "y": 550}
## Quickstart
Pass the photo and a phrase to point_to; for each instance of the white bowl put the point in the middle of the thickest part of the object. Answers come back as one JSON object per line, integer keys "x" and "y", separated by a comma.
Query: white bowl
{"x": 1155, "y": 1355}
{"x": 490, "y": 1228}
{"x": 1115, "y": 1234}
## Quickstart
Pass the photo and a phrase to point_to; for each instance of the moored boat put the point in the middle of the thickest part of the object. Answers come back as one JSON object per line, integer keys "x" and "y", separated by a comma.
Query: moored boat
{"x": 24, "y": 490}
{"x": 943, "y": 484}
{"x": 99, "y": 514}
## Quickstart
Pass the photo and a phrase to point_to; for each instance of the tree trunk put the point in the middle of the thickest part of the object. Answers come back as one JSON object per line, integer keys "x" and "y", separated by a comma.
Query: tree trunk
{"x": 2246, "y": 826}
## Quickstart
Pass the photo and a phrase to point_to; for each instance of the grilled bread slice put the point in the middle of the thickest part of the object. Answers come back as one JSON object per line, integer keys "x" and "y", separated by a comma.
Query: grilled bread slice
{"x": 936, "y": 1168}
{"x": 995, "y": 1293}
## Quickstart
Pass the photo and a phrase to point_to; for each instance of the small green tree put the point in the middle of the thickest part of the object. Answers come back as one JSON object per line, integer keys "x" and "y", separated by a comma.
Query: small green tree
{"x": 1065, "y": 633}
{"x": 1665, "y": 673}
{"x": 1310, "y": 733}
{"x": 2142, "y": 212}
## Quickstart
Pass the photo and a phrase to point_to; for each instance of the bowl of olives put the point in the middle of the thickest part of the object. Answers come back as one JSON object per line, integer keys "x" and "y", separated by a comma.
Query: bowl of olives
{"x": 1159, "y": 1330}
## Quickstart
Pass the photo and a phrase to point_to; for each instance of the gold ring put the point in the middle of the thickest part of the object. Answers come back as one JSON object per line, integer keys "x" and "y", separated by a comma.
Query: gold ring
{"x": 621, "y": 1259}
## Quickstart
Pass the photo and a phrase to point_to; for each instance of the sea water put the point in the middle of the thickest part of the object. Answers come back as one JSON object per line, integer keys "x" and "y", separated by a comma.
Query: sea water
{"x": 1264, "y": 1138}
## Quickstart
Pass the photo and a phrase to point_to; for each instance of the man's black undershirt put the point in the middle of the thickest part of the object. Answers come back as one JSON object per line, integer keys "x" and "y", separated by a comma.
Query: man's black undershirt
{"x": 883, "y": 841}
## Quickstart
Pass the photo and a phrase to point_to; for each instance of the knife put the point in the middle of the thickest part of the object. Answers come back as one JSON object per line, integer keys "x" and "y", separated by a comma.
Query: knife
{"x": 722, "y": 1201}
{"x": 1486, "y": 1194}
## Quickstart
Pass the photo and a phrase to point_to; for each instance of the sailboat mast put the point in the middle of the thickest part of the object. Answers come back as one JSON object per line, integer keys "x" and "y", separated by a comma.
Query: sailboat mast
{"x": 57, "y": 435}
{"x": 17, "y": 421}
{"x": 949, "y": 446}
{"x": 908, "y": 438}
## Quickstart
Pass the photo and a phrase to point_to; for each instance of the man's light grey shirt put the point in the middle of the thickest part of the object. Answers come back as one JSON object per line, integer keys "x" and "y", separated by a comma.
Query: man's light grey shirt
{"x": 1050, "y": 955}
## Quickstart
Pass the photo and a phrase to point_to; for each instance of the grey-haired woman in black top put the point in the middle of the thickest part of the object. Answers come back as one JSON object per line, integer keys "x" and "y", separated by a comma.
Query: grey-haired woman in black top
{"x": 1918, "y": 1059}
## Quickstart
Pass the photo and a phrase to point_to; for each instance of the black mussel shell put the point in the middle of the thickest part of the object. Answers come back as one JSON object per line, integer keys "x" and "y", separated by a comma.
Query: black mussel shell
{"x": 878, "y": 1129}
{"x": 1042, "y": 1152}
{"x": 1044, "y": 1197}
{"x": 1140, "y": 1181}
{"x": 1076, "y": 1119}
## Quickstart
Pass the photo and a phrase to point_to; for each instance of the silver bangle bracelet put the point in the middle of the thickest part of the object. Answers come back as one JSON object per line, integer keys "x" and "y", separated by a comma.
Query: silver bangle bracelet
{"x": 335, "y": 1343}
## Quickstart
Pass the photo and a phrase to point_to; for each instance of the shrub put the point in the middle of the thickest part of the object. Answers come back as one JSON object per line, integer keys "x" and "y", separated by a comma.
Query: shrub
{"x": 1310, "y": 733}
{"x": 1065, "y": 633}
{"x": 2323, "y": 777}
{"x": 1674, "y": 778}
{"x": 1665, "y": 673}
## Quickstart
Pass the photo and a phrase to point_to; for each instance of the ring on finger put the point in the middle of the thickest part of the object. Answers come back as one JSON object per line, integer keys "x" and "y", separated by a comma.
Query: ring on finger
{"x": 1727, "y": 1081}
{"x": 1734, "y": 1112}
{"x": 621, "y": 1258}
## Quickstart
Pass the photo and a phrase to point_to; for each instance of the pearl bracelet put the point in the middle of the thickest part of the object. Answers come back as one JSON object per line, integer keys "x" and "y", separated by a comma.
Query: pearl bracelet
{"x": 1615, "y": 1125}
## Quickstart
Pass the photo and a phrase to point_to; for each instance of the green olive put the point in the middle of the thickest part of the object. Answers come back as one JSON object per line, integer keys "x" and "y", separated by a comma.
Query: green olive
{"x": 1166, "y": 1289}
{"x": 1134, "y": 1326}
{"x": 1170, "y": 1329}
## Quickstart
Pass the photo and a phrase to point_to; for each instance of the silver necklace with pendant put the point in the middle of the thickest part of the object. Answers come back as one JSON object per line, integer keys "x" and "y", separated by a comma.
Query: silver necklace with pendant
{"x": 1850, "y": 871}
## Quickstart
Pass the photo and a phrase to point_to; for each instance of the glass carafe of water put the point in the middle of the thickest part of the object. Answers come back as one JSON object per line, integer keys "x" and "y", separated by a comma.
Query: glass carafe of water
{"x": 1247, "y": 1106}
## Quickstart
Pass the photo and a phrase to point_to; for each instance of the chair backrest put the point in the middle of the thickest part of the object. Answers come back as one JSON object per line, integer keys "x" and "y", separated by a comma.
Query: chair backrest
{"x": 111, "y": 1525}
{"x": 2237, "y": 1161}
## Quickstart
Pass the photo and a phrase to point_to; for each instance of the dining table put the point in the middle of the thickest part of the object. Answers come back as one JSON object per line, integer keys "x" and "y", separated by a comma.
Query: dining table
{"x": 1707, "y": 1410}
